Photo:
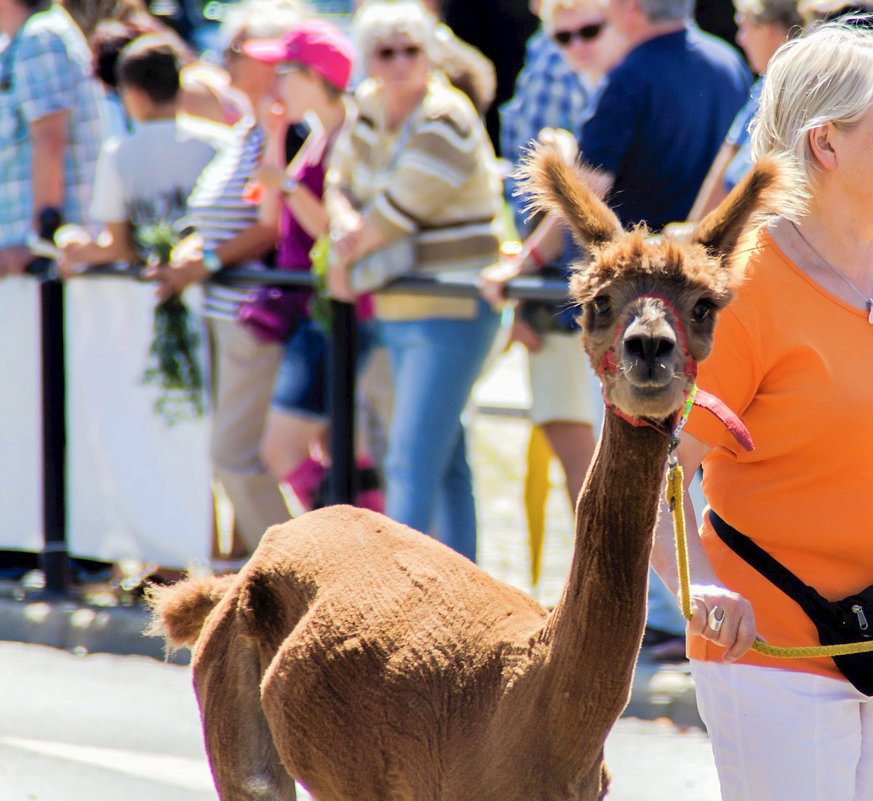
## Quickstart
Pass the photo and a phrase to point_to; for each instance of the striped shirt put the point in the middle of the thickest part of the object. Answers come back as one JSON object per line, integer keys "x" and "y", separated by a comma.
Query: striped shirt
{"x": 45, "y": 68}
{"x": 217, "y": 211}
{"x": 435, "y": 178}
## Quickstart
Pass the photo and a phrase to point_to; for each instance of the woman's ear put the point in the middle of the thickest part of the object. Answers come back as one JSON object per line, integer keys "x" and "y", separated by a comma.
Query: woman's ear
{"x": 821, "y": 146}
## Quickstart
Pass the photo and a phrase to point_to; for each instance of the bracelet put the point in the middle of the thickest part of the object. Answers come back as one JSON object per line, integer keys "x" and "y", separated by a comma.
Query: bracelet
{"x": 211, "y": 262}
{"x": 537, "y": 258}
{"x": 289, "y": 185}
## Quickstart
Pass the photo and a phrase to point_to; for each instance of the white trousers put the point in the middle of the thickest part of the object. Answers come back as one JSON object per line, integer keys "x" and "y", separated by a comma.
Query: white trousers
{"x": 779, "y": 735}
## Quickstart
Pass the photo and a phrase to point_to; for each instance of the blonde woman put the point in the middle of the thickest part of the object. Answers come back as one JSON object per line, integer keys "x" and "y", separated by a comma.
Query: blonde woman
{"x": 416, "y": 162}
{"x": 789, "y": 357}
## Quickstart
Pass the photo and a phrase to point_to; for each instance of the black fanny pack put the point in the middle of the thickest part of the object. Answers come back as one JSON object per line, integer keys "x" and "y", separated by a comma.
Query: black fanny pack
{"x": 838, "y": 622}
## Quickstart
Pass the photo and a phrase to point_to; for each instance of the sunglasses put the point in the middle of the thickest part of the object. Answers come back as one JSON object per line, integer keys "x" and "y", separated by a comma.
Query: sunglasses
{"x": 586, "y": 33}
{"x": 233, "y": 50}
{"x": 391, "y": 53}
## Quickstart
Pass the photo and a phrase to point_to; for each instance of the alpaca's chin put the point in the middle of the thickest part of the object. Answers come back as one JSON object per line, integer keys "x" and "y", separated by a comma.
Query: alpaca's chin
{"x": 651, "y": 402}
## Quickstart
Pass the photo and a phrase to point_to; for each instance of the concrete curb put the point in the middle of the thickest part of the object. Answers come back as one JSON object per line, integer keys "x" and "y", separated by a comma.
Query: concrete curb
{"x": 660, "y": 690}
{"x": 81, "y": 628}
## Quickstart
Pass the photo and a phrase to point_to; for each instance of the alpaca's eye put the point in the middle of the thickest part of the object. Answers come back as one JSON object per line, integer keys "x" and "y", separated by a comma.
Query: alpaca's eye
{"x": 601, "y": 304}
{"x": 702, "y": 310}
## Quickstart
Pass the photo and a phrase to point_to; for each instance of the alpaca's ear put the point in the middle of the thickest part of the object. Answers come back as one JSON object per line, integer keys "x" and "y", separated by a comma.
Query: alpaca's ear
{"x": 764, "y": 189}
{"x": 554, "y": 186}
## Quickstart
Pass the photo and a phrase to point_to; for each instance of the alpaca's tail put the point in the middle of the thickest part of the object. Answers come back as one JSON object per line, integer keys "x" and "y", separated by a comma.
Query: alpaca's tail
{"x": 179, "y": 610}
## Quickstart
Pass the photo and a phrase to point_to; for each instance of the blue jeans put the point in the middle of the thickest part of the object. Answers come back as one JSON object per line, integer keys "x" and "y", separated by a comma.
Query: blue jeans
{"x": 434, "y": 364}
{"x": 301, "y": 386}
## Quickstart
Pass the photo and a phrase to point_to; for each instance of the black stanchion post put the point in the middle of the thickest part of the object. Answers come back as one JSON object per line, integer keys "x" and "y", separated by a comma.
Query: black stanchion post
{"x": 343, "y": 352}
{"x": 55, "y": 560}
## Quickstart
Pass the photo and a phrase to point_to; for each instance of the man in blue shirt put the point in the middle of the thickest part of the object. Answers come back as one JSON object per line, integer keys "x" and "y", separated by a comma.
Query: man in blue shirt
{"x": 663, "y": 113}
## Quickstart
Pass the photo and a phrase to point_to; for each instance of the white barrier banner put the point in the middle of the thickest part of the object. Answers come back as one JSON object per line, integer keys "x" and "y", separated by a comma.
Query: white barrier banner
{"x": 20, "y": 416}
{"x": 137, "y": 488}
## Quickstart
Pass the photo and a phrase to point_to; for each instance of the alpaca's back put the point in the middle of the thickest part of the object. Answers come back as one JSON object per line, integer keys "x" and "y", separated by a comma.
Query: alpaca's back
{"x": 384, "y": 642}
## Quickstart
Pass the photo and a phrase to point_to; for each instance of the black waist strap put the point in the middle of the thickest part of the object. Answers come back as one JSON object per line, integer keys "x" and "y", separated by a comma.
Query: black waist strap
{"x": 809, "y": 599}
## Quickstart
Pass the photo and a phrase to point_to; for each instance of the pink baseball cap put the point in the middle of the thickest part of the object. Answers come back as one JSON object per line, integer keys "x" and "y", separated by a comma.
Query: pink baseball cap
{"x": 315, "y": 44}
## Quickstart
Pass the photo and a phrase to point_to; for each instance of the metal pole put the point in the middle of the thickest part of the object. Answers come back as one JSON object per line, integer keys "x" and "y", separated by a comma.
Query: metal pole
{"x": 341, "y": 387}
{"x": 54, "y": 558}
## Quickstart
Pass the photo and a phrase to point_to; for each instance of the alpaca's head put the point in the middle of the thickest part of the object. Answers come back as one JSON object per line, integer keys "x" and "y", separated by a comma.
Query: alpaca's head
{"x": 648, "y": 303}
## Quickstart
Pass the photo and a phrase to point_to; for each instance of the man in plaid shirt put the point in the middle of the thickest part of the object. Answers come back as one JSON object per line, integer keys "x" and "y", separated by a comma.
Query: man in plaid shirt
{"x": 548, "y": 94}
{"x": 52, "y": 123}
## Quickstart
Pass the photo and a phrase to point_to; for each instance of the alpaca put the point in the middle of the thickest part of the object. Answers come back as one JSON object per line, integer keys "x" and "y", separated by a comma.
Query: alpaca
{"x": 369, "y": 662}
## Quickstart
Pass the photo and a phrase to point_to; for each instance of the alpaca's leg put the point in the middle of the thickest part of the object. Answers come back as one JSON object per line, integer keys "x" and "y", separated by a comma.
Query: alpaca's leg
{"x": 245, "y": 765}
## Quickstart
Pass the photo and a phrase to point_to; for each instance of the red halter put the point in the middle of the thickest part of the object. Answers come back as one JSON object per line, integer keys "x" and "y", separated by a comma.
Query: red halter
{"x": 608, "y": 364}
{"x": 670, "y": 428}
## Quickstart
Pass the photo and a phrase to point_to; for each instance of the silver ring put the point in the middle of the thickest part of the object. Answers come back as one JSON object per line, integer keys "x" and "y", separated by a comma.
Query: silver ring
{"x": 714, "y": 620}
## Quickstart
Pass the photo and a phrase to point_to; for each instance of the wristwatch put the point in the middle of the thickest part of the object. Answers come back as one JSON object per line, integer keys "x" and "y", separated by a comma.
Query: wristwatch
{"x": 211, "y": 261}
{"x": 289, "y": 184}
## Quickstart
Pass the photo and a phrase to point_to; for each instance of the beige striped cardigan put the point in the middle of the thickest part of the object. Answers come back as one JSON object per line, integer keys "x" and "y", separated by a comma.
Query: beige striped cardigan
{"x": 442, "y": 184}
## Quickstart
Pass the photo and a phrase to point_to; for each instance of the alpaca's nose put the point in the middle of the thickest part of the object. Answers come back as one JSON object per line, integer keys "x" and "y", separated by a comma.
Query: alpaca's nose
{"x": 650, "y": 347}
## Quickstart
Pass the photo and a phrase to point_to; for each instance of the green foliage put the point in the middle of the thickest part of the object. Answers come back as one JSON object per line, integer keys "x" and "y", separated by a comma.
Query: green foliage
{"x": 319, "y": 306}
{"x": 173, "y": 364}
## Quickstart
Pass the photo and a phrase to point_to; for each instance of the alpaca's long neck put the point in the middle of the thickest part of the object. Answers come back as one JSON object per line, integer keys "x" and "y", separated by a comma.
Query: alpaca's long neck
{"x": 593, "y": 635}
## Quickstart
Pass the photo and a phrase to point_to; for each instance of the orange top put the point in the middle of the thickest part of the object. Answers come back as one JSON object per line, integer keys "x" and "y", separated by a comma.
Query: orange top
{"x": 796, "y": 363}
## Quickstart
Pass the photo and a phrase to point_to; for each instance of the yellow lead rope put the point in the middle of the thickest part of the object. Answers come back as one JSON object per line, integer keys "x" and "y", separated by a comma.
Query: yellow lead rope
{"x": 675, "y": 490}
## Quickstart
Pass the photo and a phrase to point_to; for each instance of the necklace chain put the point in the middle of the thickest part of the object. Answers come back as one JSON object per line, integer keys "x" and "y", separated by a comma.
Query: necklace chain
{"x": 838, "y": 273}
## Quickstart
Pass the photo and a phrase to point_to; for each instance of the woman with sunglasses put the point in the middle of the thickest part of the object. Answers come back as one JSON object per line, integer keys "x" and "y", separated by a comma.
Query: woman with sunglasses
{"x": 566, "y": 61}
{"x": 416, "y": 162}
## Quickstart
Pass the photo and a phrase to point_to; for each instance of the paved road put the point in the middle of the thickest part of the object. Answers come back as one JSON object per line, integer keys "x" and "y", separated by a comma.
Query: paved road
{"x": 104, "y": 728}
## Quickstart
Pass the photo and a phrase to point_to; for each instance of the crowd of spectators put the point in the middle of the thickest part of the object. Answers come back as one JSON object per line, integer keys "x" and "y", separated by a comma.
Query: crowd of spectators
{"x": 304, "y": 140}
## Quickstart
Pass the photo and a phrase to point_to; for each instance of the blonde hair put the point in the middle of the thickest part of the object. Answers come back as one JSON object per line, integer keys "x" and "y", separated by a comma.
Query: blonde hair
{"x": 773, "y": 12}
{"x": 825, "y": 76}
{"x": 379, "y": 20}
{"x": 815, "y": 10}
{"x": 550, "y": 8}
{"x": 260, "y": 19}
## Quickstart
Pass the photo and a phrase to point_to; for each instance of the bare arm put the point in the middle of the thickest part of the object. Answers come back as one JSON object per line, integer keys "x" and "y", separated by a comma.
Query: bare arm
{"x": 543, "y": 244}
{"x": 712, "y": 191}
{"x": 271, "y": 171}
{"x": 187, "y": 265}
{"x": 251, "y": 242}
{"x": 48, "y": 136}
{"x": 115, "y": 243}
{"x": 737, "y": 633}
{"x": 308, "y": 210}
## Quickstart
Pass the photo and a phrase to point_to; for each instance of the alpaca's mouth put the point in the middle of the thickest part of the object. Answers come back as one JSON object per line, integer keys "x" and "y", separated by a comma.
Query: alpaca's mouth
{"x": 646, "y": 377}
{"x": 650, "y": 390}
{"x": 650, "y": 398}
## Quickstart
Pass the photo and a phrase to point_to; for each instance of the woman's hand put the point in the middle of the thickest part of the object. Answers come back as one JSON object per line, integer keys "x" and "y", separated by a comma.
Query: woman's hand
{"x": 339, "y": 285}
{"x": 493, "y": 279}
{"x": 269, "y": 177}
{"x": 273, "y": 118}
{"x": 522, "y": 331}
{"x": 73, "y": 257}
{"x": 14, "y": 259}
{"x": 723, "y": 617}
{"x": 185, "y": 268}
{"x": 345, "y": 236}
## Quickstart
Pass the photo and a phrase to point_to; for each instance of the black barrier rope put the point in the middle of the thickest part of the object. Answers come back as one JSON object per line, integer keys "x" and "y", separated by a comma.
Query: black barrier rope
{"x": 343, "y": 351}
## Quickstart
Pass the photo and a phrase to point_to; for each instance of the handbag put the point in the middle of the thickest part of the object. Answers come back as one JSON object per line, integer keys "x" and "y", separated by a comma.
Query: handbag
{"x": 837, "y": 622}
{"x": 271, "y": 313}
{"x": 382, "y": 266}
